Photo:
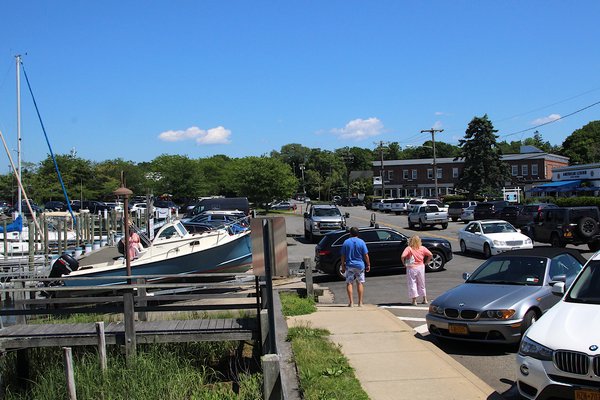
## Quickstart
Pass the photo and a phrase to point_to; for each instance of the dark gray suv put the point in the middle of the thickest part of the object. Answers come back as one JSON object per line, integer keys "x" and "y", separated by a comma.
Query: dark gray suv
{"x": 560, "y": 226}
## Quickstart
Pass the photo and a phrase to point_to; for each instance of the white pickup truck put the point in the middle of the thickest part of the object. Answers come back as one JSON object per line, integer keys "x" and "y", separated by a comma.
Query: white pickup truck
{"x": 427, "y": 215}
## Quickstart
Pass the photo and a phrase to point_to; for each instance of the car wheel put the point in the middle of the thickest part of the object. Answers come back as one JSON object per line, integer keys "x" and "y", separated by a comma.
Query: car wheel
{"x": 445, "y": 225}
{"x": 338, "y": 270}
{"x": 487, "y": 251}
{"x": 411, "y": 225}
{"x": 463, "y": 247}
{"x": 529, "y": 319}
{"x": 587, "y": 227}
{"x": 555, "y": 241}
{"x": 437, "y": 262}
{"x": 306, "y": 235}
{"x": 454, "y": 219}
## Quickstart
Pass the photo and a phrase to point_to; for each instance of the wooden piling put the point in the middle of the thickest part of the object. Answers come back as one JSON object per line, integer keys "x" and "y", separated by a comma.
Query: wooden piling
{"x": 69, "y": 373}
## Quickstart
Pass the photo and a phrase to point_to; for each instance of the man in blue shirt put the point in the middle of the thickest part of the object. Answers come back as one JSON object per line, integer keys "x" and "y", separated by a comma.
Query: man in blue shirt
{"x": 355, "y": 261}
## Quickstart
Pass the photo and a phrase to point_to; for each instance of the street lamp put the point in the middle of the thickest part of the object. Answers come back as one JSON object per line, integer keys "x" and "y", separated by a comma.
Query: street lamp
{"x": 125, "y": 193}
{"x": 303, "y": 188}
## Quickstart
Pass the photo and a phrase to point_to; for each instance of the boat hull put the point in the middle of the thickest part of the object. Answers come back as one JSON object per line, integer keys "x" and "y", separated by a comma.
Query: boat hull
{"x": 234, "y": 255}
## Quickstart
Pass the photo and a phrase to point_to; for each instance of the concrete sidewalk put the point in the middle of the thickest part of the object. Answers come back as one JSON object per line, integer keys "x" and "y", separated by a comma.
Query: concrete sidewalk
{"x": 390, "y": 362}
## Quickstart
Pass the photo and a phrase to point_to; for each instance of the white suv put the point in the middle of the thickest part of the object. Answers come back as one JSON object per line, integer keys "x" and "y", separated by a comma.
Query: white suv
{"x": 559, "y": 356}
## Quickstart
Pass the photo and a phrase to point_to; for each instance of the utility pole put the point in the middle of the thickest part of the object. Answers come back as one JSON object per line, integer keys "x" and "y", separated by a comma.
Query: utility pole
{"x": 348, "y": 158}
{"x": 381, "y": 147}
{"x": 433, "y": 132}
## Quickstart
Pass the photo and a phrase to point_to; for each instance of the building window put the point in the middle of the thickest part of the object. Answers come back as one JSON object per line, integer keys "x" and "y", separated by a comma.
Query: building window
{"x": 534, "y": 170}
{"x": 455, "y": 172}
{"x": 439, "y": 173}
{"x": 405, "y": 174}
{"x": 524, "y": 169}
{"x": 515, "y": 170}
{"x": 390, "y": 175}
{"x": 429, "y": 173}
{"x": 414, "y": 174}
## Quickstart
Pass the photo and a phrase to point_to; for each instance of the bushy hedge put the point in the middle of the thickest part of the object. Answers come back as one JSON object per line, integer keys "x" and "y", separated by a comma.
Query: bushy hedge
{"x": 567, "y": 201}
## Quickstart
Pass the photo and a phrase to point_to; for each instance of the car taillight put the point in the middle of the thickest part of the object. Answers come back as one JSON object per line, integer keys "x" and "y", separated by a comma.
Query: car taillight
{"x": 324, "y": 253}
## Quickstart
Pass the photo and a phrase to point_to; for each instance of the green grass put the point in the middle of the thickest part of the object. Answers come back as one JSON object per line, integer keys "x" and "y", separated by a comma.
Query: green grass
{"x": 292, "y": 304}
{"x": 323, "y": 370}
{"x": 168, "y": 372}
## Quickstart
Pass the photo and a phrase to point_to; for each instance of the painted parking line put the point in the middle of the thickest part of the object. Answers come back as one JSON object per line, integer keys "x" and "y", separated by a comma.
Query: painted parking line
{"x": 413, "y": 319}
{"x": 424, "y": 307}
{"x": 422, "y": 330}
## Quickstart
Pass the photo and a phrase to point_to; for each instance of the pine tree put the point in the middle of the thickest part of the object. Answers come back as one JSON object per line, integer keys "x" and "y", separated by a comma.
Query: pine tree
{"x": 484, "y": 171}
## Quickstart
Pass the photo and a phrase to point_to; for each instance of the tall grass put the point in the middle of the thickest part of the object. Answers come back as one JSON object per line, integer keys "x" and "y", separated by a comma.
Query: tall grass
{"x": 202, "y": 370}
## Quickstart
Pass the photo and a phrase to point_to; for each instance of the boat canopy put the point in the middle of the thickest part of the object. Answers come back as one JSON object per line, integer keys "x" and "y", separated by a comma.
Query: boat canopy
{"x": 15, "y": 226}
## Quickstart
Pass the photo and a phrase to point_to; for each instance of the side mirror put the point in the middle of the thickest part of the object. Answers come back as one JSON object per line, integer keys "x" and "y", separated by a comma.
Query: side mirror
{"x": 347, "y": 215}
{"x": 466, "y": 275}
{"x": 305, "y": 215}
{"x": 558, "y": 278}
{"x": 558, "y": 289}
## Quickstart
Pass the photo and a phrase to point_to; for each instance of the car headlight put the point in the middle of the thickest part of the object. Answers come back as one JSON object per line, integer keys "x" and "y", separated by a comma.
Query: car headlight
{"x": 498, "y": 314}
{"x": 499, "y": 243}
{"x": 528, "y": 241}
{"x": 447, "y": 244}
{"x": 535, "y": 350}
{"x": 433, "y": 309}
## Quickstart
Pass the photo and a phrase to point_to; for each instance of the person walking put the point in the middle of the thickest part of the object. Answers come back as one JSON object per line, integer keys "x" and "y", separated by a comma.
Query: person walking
{"x": 414, "y": 257}
{"x": 355, "y": 262}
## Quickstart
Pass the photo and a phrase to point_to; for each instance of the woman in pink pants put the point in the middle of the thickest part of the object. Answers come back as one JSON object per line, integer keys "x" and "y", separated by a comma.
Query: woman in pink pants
{"x": 414, "y": 258}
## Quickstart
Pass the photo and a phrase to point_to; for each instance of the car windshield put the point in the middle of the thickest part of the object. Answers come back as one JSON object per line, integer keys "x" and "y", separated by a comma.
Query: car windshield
{"x": 498, "y": 227}
{"x": 511, "y": 270}
{"x": 326, "y": 212}
{"x": 586, "y": 289}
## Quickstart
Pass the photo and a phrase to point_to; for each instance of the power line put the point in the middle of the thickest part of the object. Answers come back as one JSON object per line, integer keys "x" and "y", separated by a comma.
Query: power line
{"x": 550, "y": 122}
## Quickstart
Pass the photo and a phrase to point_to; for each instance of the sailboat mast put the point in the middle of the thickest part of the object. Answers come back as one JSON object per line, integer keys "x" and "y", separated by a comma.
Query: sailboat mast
{"x": 18, "y": 60}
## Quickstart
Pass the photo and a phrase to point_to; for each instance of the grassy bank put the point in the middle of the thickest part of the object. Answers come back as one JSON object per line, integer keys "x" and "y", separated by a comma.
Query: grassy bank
{"x": 323, "y": 370}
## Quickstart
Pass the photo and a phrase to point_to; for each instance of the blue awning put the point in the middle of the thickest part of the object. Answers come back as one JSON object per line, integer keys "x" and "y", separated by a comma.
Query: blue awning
{"x": 558, "y": 186}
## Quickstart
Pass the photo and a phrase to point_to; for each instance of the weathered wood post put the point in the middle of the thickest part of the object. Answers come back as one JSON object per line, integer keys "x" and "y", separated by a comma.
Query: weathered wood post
{"x": 70, "y": 375}
{"x": 45, "y": 241}
{"x": 308, "y": 277}
{"x": 5, "y": 241}
{"x": 141, "y": 292}
{"x": 101, "y": 345}
{"x": 129, "y": 319}
{"x": 31, "y": 239}
{"x": 271, "y": 377}
{"x": 58, "y": 237}
{"x": 65, "y": 231}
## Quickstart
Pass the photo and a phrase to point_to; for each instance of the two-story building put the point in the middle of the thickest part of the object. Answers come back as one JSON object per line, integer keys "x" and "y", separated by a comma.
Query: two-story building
{"x": 574, "y": 180}
{"x": 414, "y": 178}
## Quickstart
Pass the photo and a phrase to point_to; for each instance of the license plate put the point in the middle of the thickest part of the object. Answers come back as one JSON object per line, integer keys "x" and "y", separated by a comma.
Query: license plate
{"x": 587, "y": 395}
{"x": 458, "y": 329}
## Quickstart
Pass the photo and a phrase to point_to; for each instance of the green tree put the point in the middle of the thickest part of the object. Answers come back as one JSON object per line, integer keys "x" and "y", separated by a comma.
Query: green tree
{"x": 583, "y": 145}
{"x": 263, "y": 179}
{"x": 483, "y": 172}
{"x": 176, "y": 175}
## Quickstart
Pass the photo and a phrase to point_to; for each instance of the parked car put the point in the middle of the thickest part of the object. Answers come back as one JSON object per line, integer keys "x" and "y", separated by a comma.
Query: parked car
{"x": 504, "y": 296}
{"x": 456, "y": 208}
{"x": 567, "y": 225}
{"x": 55, "y": 205}
{"x": 138, "y": 207}
{"x": 427, "y": 215}
{"x": 166, "y": 204}
{"x": 320, "y": 219}
{"x": 489, "y": 209}
{"x": 509, "y": 214}
{"x": 92, "y": 206}
{"x": 24, "y": 209}
{"x": 531, "y": 213}
{"x": 385, "y": 247}
{"x": 559, "y": 355}
{"x": 221, "y": 203}
{"x": 468, "y": 214}
{"x": 492, "y": 237}
{"x": 213, "y": 219}
{"x": 377, "y": 205}
{"x": 350, "y": 202}
{"x": 400, "y": 206}
{"x": 414, "y": 203}
{"x": 282, "y": 205}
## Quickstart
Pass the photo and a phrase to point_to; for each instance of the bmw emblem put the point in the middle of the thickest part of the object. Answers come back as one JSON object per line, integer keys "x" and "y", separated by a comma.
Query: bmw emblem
{"x": 593, "y": 347}
{"x": 461, "y": 304}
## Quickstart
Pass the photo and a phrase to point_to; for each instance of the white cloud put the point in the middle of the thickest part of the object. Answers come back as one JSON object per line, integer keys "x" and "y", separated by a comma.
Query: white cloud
{"x": 360, "y": 129}
{"x": 437, "y": 125}
{"x": 218, "y": 135}
{"x": 544, "y": 120}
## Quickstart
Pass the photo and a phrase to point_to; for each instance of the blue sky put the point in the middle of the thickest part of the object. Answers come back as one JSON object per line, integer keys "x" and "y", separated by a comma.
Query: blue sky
{"x": 137, "y": 79}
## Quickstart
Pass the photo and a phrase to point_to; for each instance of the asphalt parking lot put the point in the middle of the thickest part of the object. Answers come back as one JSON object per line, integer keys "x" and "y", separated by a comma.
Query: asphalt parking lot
{"x": 492, "y": 363}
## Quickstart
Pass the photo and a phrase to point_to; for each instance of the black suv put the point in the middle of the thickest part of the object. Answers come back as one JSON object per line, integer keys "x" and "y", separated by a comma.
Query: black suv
{"x": 385, "y": 247}
{"x": 531, "y": 213}
{"x": 489, "y": 209}
{"x": 560, "y": 226}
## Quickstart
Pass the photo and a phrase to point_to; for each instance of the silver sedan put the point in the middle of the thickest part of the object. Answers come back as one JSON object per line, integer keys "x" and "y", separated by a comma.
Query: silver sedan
{"x": 504, "y": 296}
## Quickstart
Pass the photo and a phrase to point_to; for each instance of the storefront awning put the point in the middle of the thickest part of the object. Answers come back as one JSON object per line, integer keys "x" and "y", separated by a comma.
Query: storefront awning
{"x": 558, "y": 186}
